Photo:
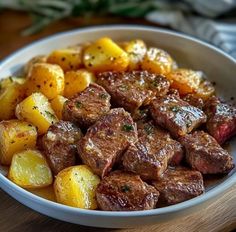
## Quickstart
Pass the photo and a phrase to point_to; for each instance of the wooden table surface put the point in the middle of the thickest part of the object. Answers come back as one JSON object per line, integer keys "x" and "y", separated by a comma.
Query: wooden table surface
{"x": 15, "y": 217}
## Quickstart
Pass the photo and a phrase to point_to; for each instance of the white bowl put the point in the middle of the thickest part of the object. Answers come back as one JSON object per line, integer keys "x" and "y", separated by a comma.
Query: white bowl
{"x": 188, "y": 52}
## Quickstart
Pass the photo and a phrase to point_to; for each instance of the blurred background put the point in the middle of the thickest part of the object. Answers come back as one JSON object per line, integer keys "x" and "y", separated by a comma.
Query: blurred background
{"x": 23, "y": 21}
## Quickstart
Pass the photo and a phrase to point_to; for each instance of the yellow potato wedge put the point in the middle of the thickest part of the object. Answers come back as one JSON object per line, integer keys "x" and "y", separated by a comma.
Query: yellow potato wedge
{"x": 45, "y": 78}
{"x": 77, "y": 81}
{"x": 205, "y": 90}
{"x": 46, "y": 192}
{"x": 67, "y": 59}
{"x": 136, "y": 50}
{"x": 158, "y": 61}
{"x": 35, "y": 60}
{"x": 57, "y": 104}
{"x": 11, "y": 93}
{"x": 37, "y": 110}
{"x": 15, "y": 136}
{"x": 29, "y": 169}
{"x": 75, "y": 186}
{"x": 185, "y": 80}
{"x": 105, "y": 55}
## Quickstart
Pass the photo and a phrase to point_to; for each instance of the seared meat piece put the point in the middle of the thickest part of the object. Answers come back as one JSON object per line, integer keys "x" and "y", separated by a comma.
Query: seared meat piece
{"x": 106, "y": 140}
{"x": 87, "y": 106}
{"x": 58, "y": 145}
{"x": 178, "y": 185}
{"x": 133, "y": 89}
{"x": 194, "y": 101}
{"x": 176, "y": 115}
{"x": 204, "y": 154}
{"x": 150, "y": 156}
{"x": 123, "y": 191}
{"x": 173, "y": 92}
{"x": 221, "y": 122}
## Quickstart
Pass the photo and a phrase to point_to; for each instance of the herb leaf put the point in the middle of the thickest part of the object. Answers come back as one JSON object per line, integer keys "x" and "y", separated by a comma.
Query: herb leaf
{"x": 127, "y": 127}
{"x": 79, "y": 105}
{"x": 49, "y": 114}
{"x": 125, "y": 188}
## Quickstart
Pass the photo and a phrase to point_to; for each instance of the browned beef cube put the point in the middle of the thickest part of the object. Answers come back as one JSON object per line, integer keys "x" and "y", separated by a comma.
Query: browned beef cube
{"x": 221, "y": 122}
{"x": 59, "y": 145}
{"x": 178, "y": 185}
{"x": 194, "y": 101}
{"x": 155, "y": 149}
{"x": 176, "y": 115}
{"x": 133, "y": 89}
{"x": 106, "y": 140}
{"x": 123, "y": 191}
{"x": 87, "y": 106}
{"x": 204, "y": 154}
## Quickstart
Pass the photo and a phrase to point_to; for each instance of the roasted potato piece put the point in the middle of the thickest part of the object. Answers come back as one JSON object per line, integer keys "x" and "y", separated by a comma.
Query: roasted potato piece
{"x": 15, "y": 136}
{"x": 77, "y": 81}
{"x": 34, "y": 60}
{"x": 46, "y": 192}
{"x": 57, "y": 105}
{"x": 11, "y": 93}
{"x": 185, "y": 80}
{"x": 67, "y": 59}
{"x": 75, "y": 186}
{"x": 205, "y": 90}
{"x": 105, "y": 55}
{"x": 37, "y": 110}
{"x": 12, "y": 79}
{"x": 158, "y": 61}
{"x": 136, "y": 49}
{"x": 45, "y": 78}
{"x": 29, "y": 169}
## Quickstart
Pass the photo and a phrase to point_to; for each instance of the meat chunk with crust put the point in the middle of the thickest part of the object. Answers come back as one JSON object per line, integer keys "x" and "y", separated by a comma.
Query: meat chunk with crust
{"x": 88, "y": 106}
{"x": 221, "y": 122}
{"x": 178, "y": 185}
{"x": 123, "y": 191}
{"x": 194, "y": 100}
{"x": 59, "y": 145}
{"x": 131, "y": 90}
{"x": 106, "y": 140}
{"x": 176, "y": 115}
{"x": 204, "y": 154}
{"x": 150, "y": 156}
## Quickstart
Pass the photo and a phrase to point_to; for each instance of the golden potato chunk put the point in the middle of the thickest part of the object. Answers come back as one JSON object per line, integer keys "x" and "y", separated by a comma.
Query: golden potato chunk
{"x": 205, "y": 90}
{"x": 136, "y": 50}
{"x": 67, "y": 59}
{"x": 57, "y": 105}
{"x": 45, "y": 192}
{"x": 11, "y": 93}
{"x": 45, "y": 78}
{"x": 75, "y": 186}
{"x": 29, "y": 169}
{"x": 77, "y": 81}
{"x": 34, "y": 60}
{"x": 15, "y": 136}
{"x": 158, "y": 61}
{"x": 105, "y": 55}
{"x": 185, "y": 80}
{"x": 37, "y": 110}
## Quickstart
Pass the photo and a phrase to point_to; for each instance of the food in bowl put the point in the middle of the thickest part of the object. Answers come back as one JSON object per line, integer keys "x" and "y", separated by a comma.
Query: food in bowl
{"x": 119, "y": 125}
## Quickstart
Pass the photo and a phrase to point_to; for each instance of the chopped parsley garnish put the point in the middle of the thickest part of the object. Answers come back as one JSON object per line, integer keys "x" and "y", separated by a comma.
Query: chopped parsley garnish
{"x": 175, "y": 108}
{"x": 148, "y": 128}
{"x": 128, "y": 127}
{"x": 78, "y": 105}
{"x": 155, "y": 83}
{"x": 35, "y": 107}
{"x": 103, "y": 96}
{"x": 49, "y": 114}
{"x": 125, "y": 188}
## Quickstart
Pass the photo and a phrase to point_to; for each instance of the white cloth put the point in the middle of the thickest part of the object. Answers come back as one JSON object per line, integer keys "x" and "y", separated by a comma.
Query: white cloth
{"x": 221, "y": 33}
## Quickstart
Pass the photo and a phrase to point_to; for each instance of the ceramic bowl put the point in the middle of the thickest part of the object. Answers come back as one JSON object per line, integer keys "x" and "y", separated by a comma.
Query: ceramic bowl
{"x": 189, "y": 52}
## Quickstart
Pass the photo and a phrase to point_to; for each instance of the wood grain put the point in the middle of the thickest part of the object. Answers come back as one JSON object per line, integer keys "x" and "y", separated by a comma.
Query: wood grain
{"x": 15, "y": 217}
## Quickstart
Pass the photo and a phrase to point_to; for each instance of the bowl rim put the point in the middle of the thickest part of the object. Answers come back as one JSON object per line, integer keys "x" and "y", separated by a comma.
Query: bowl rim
{"x": 219, "y": 189}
